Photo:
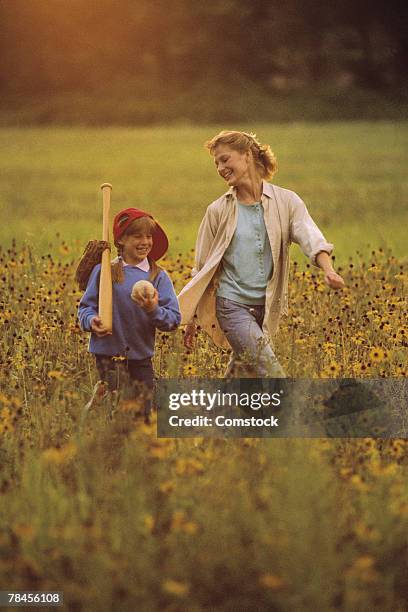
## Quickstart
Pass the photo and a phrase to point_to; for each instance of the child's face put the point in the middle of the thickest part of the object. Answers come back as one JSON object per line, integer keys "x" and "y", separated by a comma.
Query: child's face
{"x": 136, "y": 246}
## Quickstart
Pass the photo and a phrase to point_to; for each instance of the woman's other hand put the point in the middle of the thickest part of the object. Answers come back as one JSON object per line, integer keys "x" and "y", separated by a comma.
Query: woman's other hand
{"x": 98, "y": 328}
{"x": 189, "y": 336}
{"x": 333, "y": 280}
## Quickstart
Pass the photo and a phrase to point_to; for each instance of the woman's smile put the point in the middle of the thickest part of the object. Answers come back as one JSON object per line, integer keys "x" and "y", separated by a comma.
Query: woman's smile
{"x": 231, "y": 165}
{"x": 226, "y": 174}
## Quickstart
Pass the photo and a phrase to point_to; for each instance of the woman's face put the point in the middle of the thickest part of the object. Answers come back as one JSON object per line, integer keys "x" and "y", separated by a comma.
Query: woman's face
{"x": 231, "y": 165}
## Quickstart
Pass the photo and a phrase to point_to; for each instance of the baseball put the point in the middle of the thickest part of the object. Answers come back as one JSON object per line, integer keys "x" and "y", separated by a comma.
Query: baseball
{"x": 142, "y": 288}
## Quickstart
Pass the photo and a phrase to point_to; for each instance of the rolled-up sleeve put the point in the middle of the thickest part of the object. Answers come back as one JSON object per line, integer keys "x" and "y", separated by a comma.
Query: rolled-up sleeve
{"x": 304, "y": 231}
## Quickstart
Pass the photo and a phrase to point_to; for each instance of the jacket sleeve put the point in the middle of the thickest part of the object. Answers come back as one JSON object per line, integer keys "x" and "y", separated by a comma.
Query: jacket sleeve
{"x": 304, "y": 231}
{"x": 166, "y": 317}
{"x": 205, "y": 237}
{"x": 89, "y": 304}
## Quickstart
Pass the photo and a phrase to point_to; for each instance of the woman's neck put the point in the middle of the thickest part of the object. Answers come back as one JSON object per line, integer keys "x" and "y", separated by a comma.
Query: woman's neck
{"x": 248, "y": 193}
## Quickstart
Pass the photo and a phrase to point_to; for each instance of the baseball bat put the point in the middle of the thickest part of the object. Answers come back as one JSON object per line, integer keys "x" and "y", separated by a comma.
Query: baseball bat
{"x": 105, "y": 282}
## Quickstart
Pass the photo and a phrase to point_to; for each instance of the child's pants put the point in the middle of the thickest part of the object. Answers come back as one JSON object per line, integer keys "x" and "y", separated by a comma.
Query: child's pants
{"x": 118, "y": 373}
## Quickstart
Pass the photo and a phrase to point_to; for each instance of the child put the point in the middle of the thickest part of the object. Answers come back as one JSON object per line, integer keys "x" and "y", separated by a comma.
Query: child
{"x": 140, "y": 241}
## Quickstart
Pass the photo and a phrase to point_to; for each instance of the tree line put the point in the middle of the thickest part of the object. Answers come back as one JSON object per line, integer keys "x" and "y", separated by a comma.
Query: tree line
{"x": 50, "y": 46}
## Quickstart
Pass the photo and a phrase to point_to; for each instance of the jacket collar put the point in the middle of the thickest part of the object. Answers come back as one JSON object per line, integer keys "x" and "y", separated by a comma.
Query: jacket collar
{"x": 267, "y": 190}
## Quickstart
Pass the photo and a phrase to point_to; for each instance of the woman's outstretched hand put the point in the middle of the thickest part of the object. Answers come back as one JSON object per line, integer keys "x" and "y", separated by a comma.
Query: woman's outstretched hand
{"x": 333, "y": 280}
{"x": 189, "y": 336}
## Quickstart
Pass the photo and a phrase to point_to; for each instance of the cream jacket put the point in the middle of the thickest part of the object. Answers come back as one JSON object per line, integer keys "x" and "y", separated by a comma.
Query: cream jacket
{"x": 286, "y": 219}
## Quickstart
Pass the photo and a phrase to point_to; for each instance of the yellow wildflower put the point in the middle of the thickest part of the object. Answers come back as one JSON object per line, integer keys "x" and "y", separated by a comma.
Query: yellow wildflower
{"x": 161, "y": 448}
{"x": 329, "y": 348}
{"x": 358, "y": 483}
{"x": 271, "y": 581}
{"x": 189, "y": 466}
{"x": 56, "y": 374}
{"x": 383, "y": 470}
{"x": 399, "y": 507}
{"x": 332, "y": 370}
{"x": 377, "y": 354}
{"x": 5, "y": 413}
{"x": 366, "y": 532}
{"x": 167, "y": 486}
{"x": 175, "y": 587}
{"x": 363, "y": 569}
{"x": 189, "y": 370}
{"x": 148, "y": 522}
{"x": 357, "y": 368}
{"x": 59, "y": 456}
{"x": 24, "y": 531}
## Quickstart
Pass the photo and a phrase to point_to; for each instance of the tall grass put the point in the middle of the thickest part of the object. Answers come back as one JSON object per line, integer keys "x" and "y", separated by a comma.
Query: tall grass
{"x": 101, "y": 508}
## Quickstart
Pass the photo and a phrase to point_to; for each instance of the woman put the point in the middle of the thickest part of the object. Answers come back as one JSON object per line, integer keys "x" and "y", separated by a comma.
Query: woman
{"x": 239, "y": 285}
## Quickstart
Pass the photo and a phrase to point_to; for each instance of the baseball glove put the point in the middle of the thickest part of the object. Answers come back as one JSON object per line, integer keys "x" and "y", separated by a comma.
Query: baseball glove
{"x": 90, "y": 257}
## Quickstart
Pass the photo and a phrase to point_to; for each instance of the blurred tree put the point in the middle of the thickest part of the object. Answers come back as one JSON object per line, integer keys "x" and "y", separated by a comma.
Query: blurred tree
{"x": 78, "y": 45}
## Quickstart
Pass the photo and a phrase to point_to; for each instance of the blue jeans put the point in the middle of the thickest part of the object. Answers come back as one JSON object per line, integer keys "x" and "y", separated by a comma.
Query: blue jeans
{"x": 252, "y": 356}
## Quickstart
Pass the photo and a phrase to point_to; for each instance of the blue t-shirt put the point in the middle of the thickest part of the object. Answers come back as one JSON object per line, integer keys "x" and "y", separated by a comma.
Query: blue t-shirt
{"x": 247, "y": 265}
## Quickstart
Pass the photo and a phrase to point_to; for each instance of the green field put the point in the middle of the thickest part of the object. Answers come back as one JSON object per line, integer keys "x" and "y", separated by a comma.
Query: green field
{"x": 352, "y": 176}
{"x": 96, "y": 505}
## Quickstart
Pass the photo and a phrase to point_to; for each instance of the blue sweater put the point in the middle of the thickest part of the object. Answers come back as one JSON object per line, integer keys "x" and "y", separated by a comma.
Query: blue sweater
{"x": 133, "y": 329}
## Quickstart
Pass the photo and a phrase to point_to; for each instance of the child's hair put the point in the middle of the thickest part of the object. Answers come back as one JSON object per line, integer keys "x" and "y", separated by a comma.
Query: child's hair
{"x": 146, "y": 224}
{"x": 264, "y": 158}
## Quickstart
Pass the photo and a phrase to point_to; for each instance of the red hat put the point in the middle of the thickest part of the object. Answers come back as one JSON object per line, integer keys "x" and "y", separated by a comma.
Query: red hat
{"x": 125, "y": 217}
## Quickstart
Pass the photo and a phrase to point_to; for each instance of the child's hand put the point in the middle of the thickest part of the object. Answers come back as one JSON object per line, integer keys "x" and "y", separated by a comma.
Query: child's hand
{"x": 148, "y": 303}
{"x": 98, "y": 328}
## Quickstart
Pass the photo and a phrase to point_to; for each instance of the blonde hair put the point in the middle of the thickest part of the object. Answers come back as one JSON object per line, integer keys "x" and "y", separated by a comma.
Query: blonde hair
{"x": 142, "y": 224}
{"x": 264, "y": 158}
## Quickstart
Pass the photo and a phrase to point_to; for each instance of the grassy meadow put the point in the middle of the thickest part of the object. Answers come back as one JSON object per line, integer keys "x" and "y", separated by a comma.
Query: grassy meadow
{"x": 118, "y": 519}
{"x": 352, "y": 176}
